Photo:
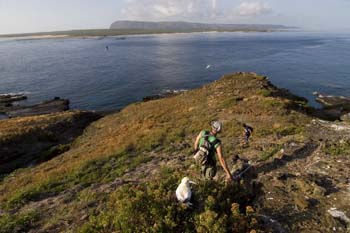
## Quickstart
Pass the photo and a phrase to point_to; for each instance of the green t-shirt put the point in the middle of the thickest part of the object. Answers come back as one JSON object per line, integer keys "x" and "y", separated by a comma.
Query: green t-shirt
{"x": 215, "y": 143}
{"x": 211, "y": 139}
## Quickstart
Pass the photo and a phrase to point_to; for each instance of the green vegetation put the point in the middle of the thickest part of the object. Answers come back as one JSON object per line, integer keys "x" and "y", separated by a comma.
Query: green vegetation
{"x": 17, "y": 223}
{"x": 122, "y": 172}
{"x": 273, "y": 103}
{"x": 291, "y": 130}
{"x": 153, "y": 209}
{"x": 265, "y": 92}
{"x": 339, "y": 149}
{"x": 270, "y": 152}
{"x": 231, "y": 101}
{"x": 32, "y": 140}
{"x": 94, "y": 171}
{"x": 53, "y": 152}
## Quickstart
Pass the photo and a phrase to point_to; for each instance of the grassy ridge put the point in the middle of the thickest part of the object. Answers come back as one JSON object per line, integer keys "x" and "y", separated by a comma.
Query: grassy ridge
{"x": 101, "y": 179}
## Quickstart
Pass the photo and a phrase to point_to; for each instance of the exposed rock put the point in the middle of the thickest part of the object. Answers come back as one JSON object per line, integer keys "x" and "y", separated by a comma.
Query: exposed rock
{"x": 271, "y": 224}
{"x": 339, "y": 215}
{"x": 345, "y": 117}
{"x": 168, "y": 93}
{"x": 10, "y": 98}
{"x": 84, "y": 217}
{"x": 10, "y": 110}
{"x": 334, "y": 107}
{"x": 333, "y": 101}
{"x": 51, "y": 106}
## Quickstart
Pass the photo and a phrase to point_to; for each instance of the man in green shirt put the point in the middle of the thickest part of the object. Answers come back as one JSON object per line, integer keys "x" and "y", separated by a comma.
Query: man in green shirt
{"x": 209, "y": 168}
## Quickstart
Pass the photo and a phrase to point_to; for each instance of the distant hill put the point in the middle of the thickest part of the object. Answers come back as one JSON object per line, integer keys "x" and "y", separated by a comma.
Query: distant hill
{"x": 120, "y": 28}
{"x": 140, "y": 25}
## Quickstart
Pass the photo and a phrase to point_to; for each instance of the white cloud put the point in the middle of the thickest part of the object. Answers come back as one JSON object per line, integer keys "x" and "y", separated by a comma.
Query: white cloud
{"x": 254, "y": 8}
{"x": 171, "y": 9}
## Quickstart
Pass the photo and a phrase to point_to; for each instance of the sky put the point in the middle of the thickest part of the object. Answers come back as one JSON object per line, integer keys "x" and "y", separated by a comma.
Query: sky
{"x": 21, "y": 16}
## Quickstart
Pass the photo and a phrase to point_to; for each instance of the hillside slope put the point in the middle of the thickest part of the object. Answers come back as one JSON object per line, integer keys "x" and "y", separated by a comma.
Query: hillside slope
{"x": 30, "y": 140}
{"x": 120, "y": 175}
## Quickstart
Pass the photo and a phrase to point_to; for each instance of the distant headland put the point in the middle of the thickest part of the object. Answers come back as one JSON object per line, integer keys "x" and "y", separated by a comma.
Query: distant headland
{"x": 121, "y": 28}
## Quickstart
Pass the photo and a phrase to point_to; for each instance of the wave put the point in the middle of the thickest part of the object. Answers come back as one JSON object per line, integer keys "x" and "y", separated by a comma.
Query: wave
{"x": 173, "y": 91}
{"x": 16, "y": 93}
{"x": 313, "y": 46}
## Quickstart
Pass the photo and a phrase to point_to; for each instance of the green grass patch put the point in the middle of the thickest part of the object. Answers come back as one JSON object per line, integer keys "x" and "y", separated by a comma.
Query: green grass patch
{"x": 270, "y": 152}
{"x": 231, "y": 101}
{"x": 272, "y": 103}
{"x": 263, "y": 132}
{"x": 149, "y": 142}
{"x": 291, "y": 130}
{"x": 18, "y": 222}
{"x": 265, "y": 92}
{"x": 340, "y": 149}
{"x": 53, "y": 152}
{"x": 152, "y": 207}
{"x": 95, "y": 171}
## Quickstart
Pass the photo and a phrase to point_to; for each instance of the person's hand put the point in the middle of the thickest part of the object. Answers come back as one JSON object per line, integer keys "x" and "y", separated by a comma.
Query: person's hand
{"x": 229, "y": 178}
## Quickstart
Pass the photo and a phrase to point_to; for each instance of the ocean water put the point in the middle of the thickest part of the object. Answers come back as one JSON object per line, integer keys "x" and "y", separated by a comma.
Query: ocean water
{"x": 95, "y": 78}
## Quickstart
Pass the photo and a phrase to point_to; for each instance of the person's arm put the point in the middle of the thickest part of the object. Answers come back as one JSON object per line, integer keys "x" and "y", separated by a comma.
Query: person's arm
{"x": 223, "y": 162}
{"x": 197, "y": 141}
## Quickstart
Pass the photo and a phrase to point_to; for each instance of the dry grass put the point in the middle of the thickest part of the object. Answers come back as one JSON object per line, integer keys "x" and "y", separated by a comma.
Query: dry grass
{"x": 12, "y": 128}
{"x": 155, "y": 125}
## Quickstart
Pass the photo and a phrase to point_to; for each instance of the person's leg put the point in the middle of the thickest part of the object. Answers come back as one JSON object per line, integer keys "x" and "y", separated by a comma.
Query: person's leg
{"x": 208, "y": 172}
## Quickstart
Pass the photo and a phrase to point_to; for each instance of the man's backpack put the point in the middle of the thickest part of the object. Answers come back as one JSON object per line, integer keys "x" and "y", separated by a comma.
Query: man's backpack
{"x": 202, "y": 155}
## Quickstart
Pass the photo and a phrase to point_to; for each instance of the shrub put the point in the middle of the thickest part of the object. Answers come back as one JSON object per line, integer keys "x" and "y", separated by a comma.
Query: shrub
{"x": 152, "y": 207}
{"x": 340, "y": 149}
{"x": 18, "y": 222}
{"x": 265, "y": 92}
{"x": 270, "y": 152}
{"x": 94, "y": 171}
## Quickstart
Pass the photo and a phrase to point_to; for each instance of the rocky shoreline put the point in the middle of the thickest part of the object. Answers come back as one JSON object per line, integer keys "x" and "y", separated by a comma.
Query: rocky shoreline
{"x": 333, "y": 107}
{"x": 10, "y": 108}
{"x": 337, "y": 107}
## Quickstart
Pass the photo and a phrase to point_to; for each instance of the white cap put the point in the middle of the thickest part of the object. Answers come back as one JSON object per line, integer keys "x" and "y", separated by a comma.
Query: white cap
{"x": 216, "y": 125}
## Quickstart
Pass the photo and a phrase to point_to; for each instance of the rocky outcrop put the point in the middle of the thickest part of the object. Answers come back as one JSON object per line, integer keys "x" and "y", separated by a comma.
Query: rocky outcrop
{"x": 345, "y": 117}
{"x": 51, "y": 106}
{"x": 331, "y": 101}
{"x": 334, "y": 107}
{"x": 8, "y": 108}
{"x": 166, "y": 94}
{"x": 10, "y": 98}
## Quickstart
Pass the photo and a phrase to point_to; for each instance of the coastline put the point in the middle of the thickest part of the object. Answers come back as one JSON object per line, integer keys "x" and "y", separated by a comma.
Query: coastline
{"x": 331, "y": 107}
{"x": 104, "y": 33}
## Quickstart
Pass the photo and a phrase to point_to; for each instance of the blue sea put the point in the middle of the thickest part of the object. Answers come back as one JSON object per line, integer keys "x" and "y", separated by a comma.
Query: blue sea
{"x": 96, "y": 78}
